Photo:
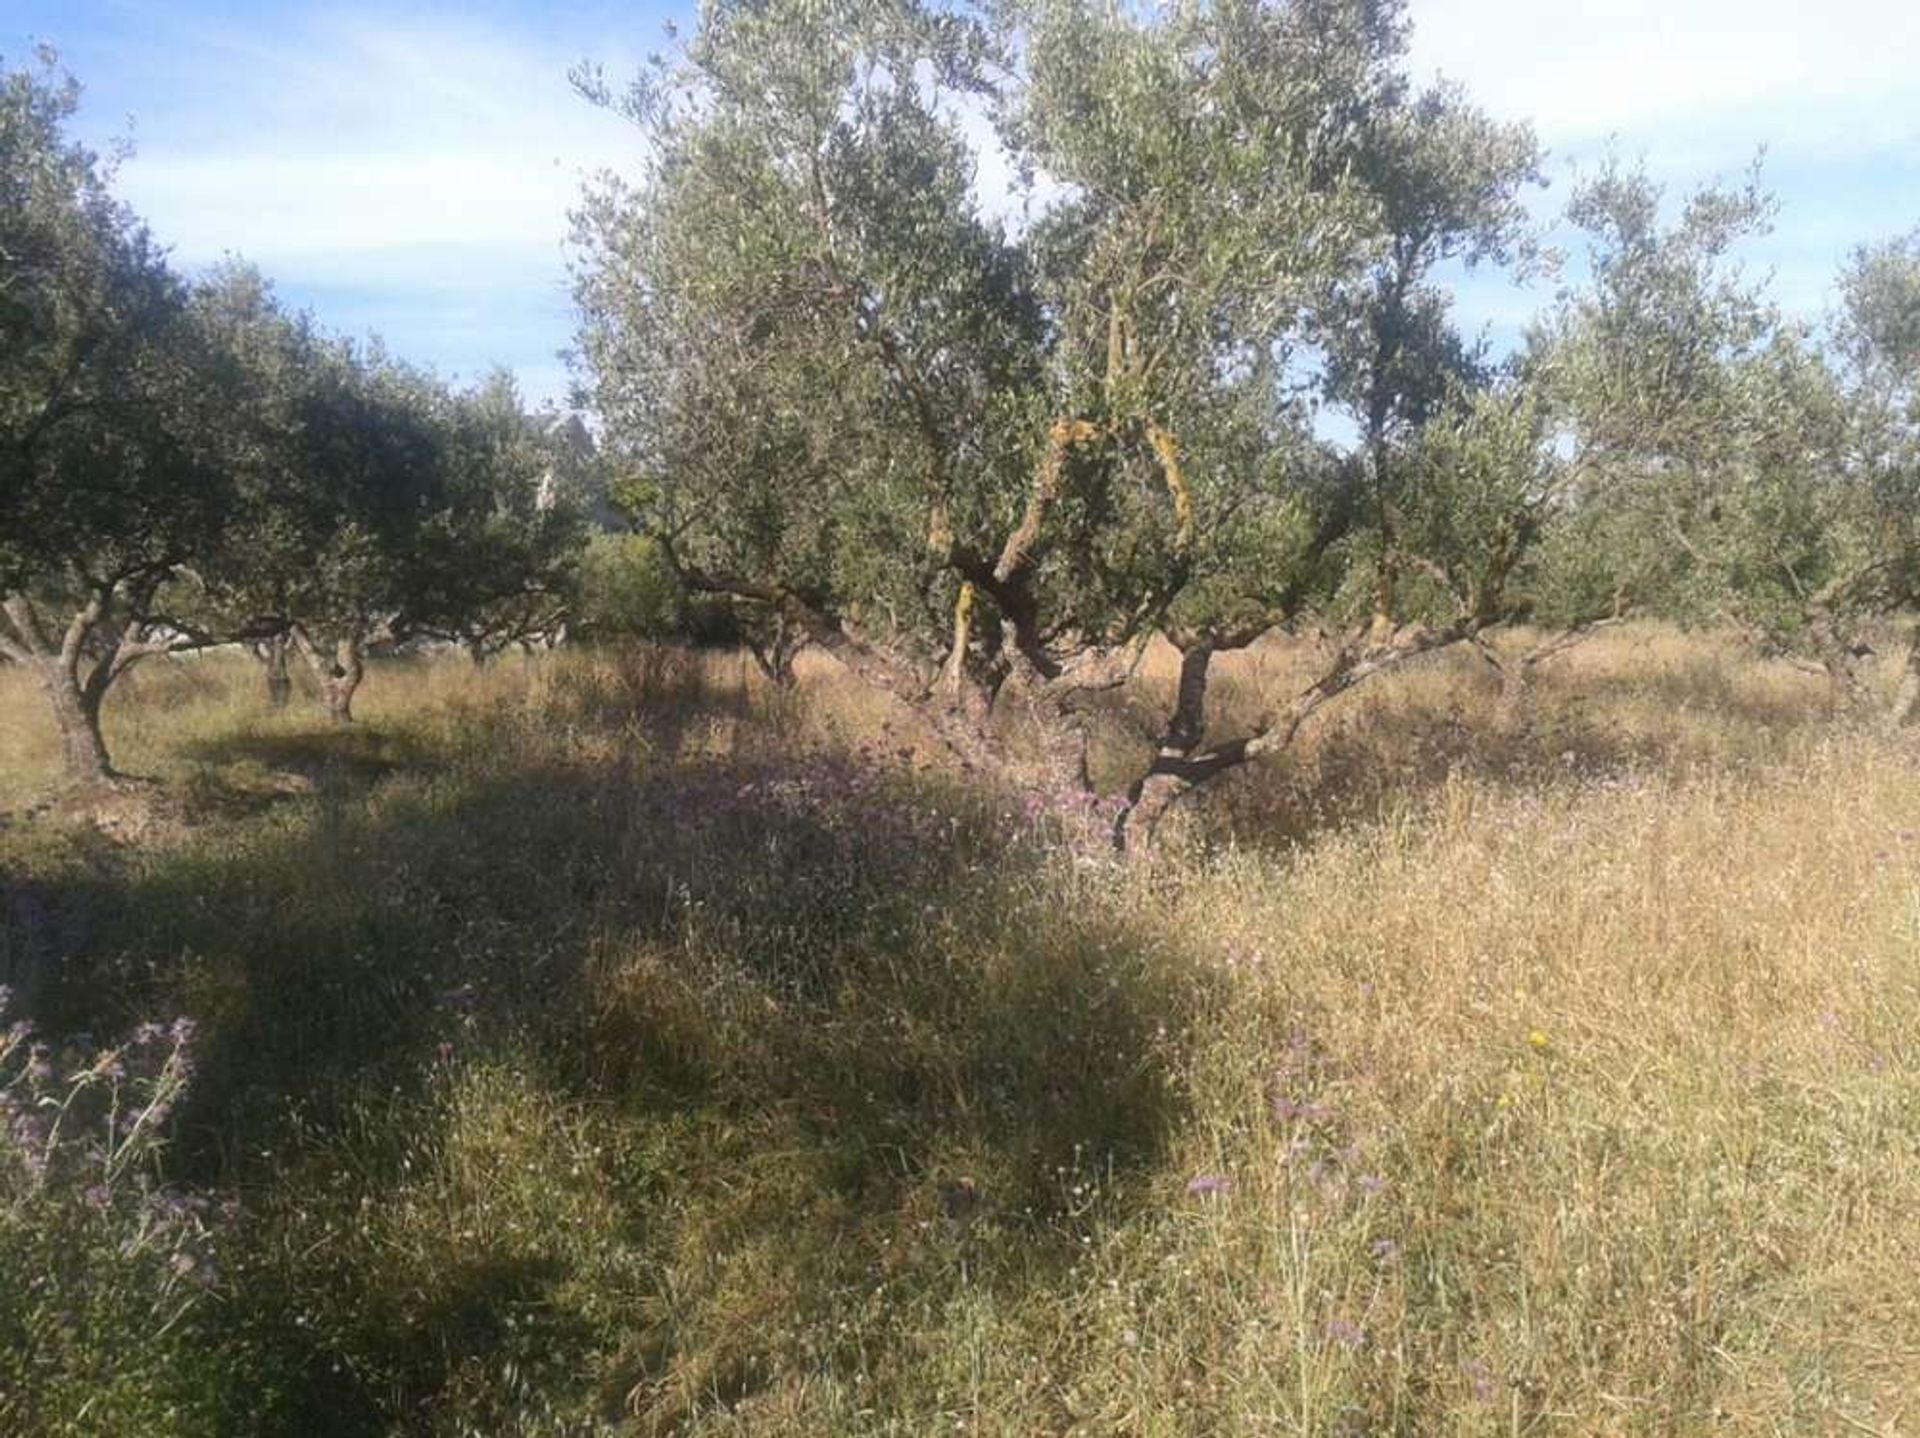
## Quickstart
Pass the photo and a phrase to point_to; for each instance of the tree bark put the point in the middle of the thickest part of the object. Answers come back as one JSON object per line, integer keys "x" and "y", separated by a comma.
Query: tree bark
{"x": 102, "y": 641}
{"x": 1840, "y": 656}
{"x": 76, "y": 710}
{"x": 774, "y": 655}
{"x": 342, "y": 679}
{"x": 75, "y": 700}
{"x": 1172, "y": 774}
{"x": 1185, "y": 762}
{"x": 272, "y": 653}
{"x": 1514, "y": 711}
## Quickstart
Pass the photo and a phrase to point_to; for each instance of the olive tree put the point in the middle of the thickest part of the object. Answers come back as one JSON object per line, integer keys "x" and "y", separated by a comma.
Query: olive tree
{"x": 381, "y": 504}
{"x": 369, "y": 436}
{"x": 1876, "y": 347}
{"x": 113, "y": 407}
{"x": 500, "y": 550}
{"x": 265, "y": 549}
{"x": 985, "y": 468}
{"x": 1448, "y": 182}
{"x": 336, "y": 450}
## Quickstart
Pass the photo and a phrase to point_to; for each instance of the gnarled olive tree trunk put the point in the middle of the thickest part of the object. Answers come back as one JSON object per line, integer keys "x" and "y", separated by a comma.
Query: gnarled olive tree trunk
{"x": 76, "y": 711}
{"x": 1516, "y": 710}
{"x": 101, "y": 641}
{"x": 774, "y": 653}
{"x": 339, "y": 673}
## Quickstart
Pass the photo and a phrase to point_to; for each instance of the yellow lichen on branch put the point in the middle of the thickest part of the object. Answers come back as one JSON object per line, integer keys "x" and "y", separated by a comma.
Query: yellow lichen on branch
{"x": 1167, "y": 450}
{"x": 962, "y": 635}
{"x": 1066, "y": 433}
{"x": 1062, "y": 436}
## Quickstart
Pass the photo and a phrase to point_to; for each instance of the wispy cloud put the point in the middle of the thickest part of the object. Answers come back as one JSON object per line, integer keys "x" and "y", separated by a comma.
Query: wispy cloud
{"x": 1695, "y": 89}
{"x": 411, "y": 175}
{"x": 366, "y": 136}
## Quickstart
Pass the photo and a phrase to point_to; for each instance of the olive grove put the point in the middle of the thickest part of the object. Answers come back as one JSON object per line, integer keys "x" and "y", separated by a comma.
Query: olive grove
{"x": 185, "y": 463}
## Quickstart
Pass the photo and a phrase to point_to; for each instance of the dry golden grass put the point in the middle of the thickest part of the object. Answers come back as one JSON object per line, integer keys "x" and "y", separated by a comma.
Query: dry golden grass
{"x": 1445, "y": 1077}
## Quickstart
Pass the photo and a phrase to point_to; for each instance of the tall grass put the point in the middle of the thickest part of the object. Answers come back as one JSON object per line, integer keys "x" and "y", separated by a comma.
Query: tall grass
{"x": 609, "y": 1044}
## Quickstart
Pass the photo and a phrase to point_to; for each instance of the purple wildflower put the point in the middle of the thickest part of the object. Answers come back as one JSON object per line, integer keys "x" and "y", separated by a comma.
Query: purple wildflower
{"x": 1347, "y": 1334}
{"x": 1287, "y": 1110}
{"x": 31, "y": 1132}
{"x": 1480, "y": 1379}
{"x": 1212, "y": 1185}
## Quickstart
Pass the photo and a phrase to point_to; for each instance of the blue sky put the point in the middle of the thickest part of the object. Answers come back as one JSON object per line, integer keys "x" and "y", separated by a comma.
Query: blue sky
{"x": 407, "y": 169}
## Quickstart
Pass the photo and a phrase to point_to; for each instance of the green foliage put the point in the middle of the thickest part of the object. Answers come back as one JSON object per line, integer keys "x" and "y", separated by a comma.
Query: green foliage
{"x": 181, "y": 465}
{"x": 1713, "y": 473}
{"x": 806, "y": 241}
{"x": 1447, "y": 181}
{"x": 384, "y": 504}
{"x": 627, "y": 590}
{"x": 1475, "y": 486}
{"x": 1877, "y": 339}
{"x": 496, "y": 557}
{"x": 837, "y": 384}
{"x": 110, "y": 404}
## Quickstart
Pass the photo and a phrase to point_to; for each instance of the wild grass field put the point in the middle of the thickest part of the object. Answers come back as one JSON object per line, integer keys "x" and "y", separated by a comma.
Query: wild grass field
{"x": 611, "y": 1044}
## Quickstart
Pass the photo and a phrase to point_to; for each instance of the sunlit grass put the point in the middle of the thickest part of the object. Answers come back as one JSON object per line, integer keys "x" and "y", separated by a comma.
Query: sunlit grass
{"x": 609, "y": 1044}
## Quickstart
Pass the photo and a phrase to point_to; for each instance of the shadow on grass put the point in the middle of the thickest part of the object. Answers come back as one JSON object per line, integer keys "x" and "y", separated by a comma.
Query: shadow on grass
{"x": 572, "y": 1089}
{"x": 348, "y": 757}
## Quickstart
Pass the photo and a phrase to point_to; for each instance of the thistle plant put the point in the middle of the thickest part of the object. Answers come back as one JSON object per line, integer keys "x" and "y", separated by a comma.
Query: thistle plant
{"x": 103, "y": 1261}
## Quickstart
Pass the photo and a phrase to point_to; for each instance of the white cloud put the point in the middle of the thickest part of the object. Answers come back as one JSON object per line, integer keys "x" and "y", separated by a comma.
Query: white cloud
{"x": 1694, "y": 89}
{"x": 412, "y": 176}
{"x": 1693, "y": 73}
{"x": 372, "y": 136}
